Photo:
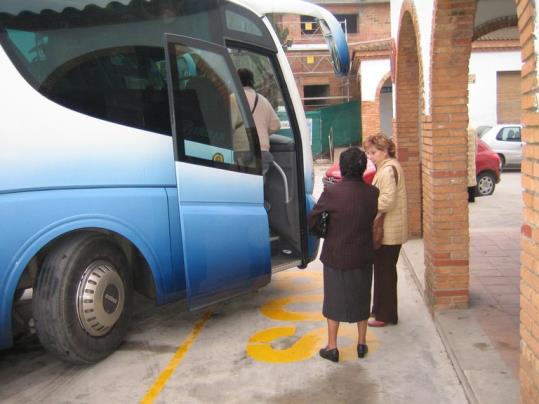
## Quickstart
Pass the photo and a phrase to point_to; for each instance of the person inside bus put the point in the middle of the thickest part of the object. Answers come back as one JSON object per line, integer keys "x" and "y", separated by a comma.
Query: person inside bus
{"x": 347, "y": 252}
{"x": 265, "y": 117}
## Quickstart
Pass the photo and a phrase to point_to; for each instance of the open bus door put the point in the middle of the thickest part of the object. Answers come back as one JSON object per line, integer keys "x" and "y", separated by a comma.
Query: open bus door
{"x": 224, "y": 225}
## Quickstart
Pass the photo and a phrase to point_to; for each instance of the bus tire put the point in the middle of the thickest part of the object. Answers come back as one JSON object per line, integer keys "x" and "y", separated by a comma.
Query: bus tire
{"x": 18, "y": 294}
{"x": 70, "y": 322}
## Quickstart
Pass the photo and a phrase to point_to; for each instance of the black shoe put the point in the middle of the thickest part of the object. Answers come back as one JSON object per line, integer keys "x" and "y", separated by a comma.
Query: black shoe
{"x": 330, "y": 354}
{"x": 362, "y": 350}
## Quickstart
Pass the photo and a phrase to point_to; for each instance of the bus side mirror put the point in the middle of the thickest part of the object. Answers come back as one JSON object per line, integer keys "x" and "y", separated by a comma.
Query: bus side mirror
{"x": 337, "y": 45}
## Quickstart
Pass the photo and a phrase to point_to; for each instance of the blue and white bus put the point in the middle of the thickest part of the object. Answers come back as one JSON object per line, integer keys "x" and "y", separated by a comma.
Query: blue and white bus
{"x": 129, "y": 161}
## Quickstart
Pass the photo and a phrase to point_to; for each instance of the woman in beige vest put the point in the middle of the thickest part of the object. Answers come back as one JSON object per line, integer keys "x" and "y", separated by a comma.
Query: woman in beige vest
{"x": 392, "y": 203}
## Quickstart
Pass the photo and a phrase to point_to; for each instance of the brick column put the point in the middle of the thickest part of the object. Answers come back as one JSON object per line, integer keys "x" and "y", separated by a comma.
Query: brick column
{"x": 445, "y": 213}
{"x": 409, "y": 103}
{"x": 370, "y": 117}
{"x": 529, "y": 284}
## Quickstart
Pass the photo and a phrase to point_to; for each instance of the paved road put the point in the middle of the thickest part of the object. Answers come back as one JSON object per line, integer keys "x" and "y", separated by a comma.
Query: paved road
{"x": 495, "y": 223}
{"x": 502, "y": 209}
{"x": 261, "y": 347}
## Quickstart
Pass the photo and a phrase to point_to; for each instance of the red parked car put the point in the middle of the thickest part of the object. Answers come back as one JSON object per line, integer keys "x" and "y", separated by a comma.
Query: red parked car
{"x": 333, "y": 173}
{"x": 487, "y": 168}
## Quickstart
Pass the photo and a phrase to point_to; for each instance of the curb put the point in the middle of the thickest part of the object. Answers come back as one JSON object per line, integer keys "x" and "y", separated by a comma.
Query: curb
{"x": 482, "y": 374}
{"x": 468, "y": 391}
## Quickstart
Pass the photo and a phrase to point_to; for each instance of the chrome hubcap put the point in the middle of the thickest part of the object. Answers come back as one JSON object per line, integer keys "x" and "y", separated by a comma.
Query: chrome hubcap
{"x": 485, "y": 185}
{"x": 100, "y": 298}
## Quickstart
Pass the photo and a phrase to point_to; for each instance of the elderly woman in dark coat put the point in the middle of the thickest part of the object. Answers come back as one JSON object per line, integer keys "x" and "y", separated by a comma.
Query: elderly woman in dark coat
{"x": 347, "y": 253}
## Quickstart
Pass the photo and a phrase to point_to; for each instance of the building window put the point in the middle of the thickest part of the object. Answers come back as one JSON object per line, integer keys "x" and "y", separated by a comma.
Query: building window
{"x": 309, "y": 25}
{"x": 348, "y": 22}
{"x": 351, "y": 22}
{"x": 316, "y": 95}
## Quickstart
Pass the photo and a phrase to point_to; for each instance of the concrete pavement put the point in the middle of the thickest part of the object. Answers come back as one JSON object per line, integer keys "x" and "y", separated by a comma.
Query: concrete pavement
{"x": 476, "y": 339}
{"x": 483, "y": 341}
{"x": 406, "y": 363}
{"x": 261, "y": 347}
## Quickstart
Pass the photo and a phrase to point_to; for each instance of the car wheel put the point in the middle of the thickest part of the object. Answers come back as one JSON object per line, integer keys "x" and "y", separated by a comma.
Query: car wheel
{"x": 502, "y": 161}
{"x": 82, "y": 298}
{"x": 485, "y": 184}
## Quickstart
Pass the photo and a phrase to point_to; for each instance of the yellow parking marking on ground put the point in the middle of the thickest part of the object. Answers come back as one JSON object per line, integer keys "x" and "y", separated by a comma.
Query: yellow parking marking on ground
{"x": 260, "y": 346}
{"x": 298, "y": 281}
{"x": 282, "y": 344}
{"x": 162, "y": 380}
{"x": 275, "y": 309}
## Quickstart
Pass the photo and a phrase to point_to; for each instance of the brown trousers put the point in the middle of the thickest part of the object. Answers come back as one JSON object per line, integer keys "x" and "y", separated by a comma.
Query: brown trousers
{"x": 384, "y": 300}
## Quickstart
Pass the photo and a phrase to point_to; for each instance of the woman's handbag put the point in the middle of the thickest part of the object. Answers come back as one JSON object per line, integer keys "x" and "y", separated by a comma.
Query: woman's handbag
{"x": 320, "y": 228}
{"x": 378, "y": 230}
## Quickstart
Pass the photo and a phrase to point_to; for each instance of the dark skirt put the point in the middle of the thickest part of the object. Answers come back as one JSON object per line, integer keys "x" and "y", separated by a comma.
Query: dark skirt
{"x": 347, "y": 294}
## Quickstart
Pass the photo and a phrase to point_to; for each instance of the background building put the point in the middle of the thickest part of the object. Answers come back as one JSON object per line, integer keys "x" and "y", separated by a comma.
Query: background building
{"x": 308, "y": 55}
{"x": 493, "y": 77}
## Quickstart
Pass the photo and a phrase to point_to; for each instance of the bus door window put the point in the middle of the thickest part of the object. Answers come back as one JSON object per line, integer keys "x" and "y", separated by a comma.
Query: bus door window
{"x": 210, "y": 125}
{"x": 265, "y": 83}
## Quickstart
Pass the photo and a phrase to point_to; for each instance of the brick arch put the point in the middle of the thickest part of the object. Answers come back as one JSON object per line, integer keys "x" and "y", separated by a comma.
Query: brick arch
{"x": 445, "y": 210}
{"x": 409, "y": 108}
{"x": 529, "y": 267}
{"x": 494, "y": 25}
{"x": 377, "y": 124}
{"x": 381, "y": 84}
{"x": 378, "y": 101}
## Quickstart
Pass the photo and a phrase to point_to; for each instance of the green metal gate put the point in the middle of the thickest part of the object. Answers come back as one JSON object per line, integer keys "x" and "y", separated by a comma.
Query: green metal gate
{"x": 334, "y": 126}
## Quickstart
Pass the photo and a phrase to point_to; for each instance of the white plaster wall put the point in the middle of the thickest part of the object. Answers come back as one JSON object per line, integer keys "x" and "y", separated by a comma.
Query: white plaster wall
{"x": 386, "y": 113}
{"x": 424, "y": 10}
{"x": 482, "y": 93}
{"x": 372, "y": 72}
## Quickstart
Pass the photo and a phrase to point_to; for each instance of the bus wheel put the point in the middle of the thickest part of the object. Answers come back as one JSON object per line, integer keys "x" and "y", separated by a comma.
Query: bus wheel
{"x": 82, "y": 299}
{"x": 18, "y": 294}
